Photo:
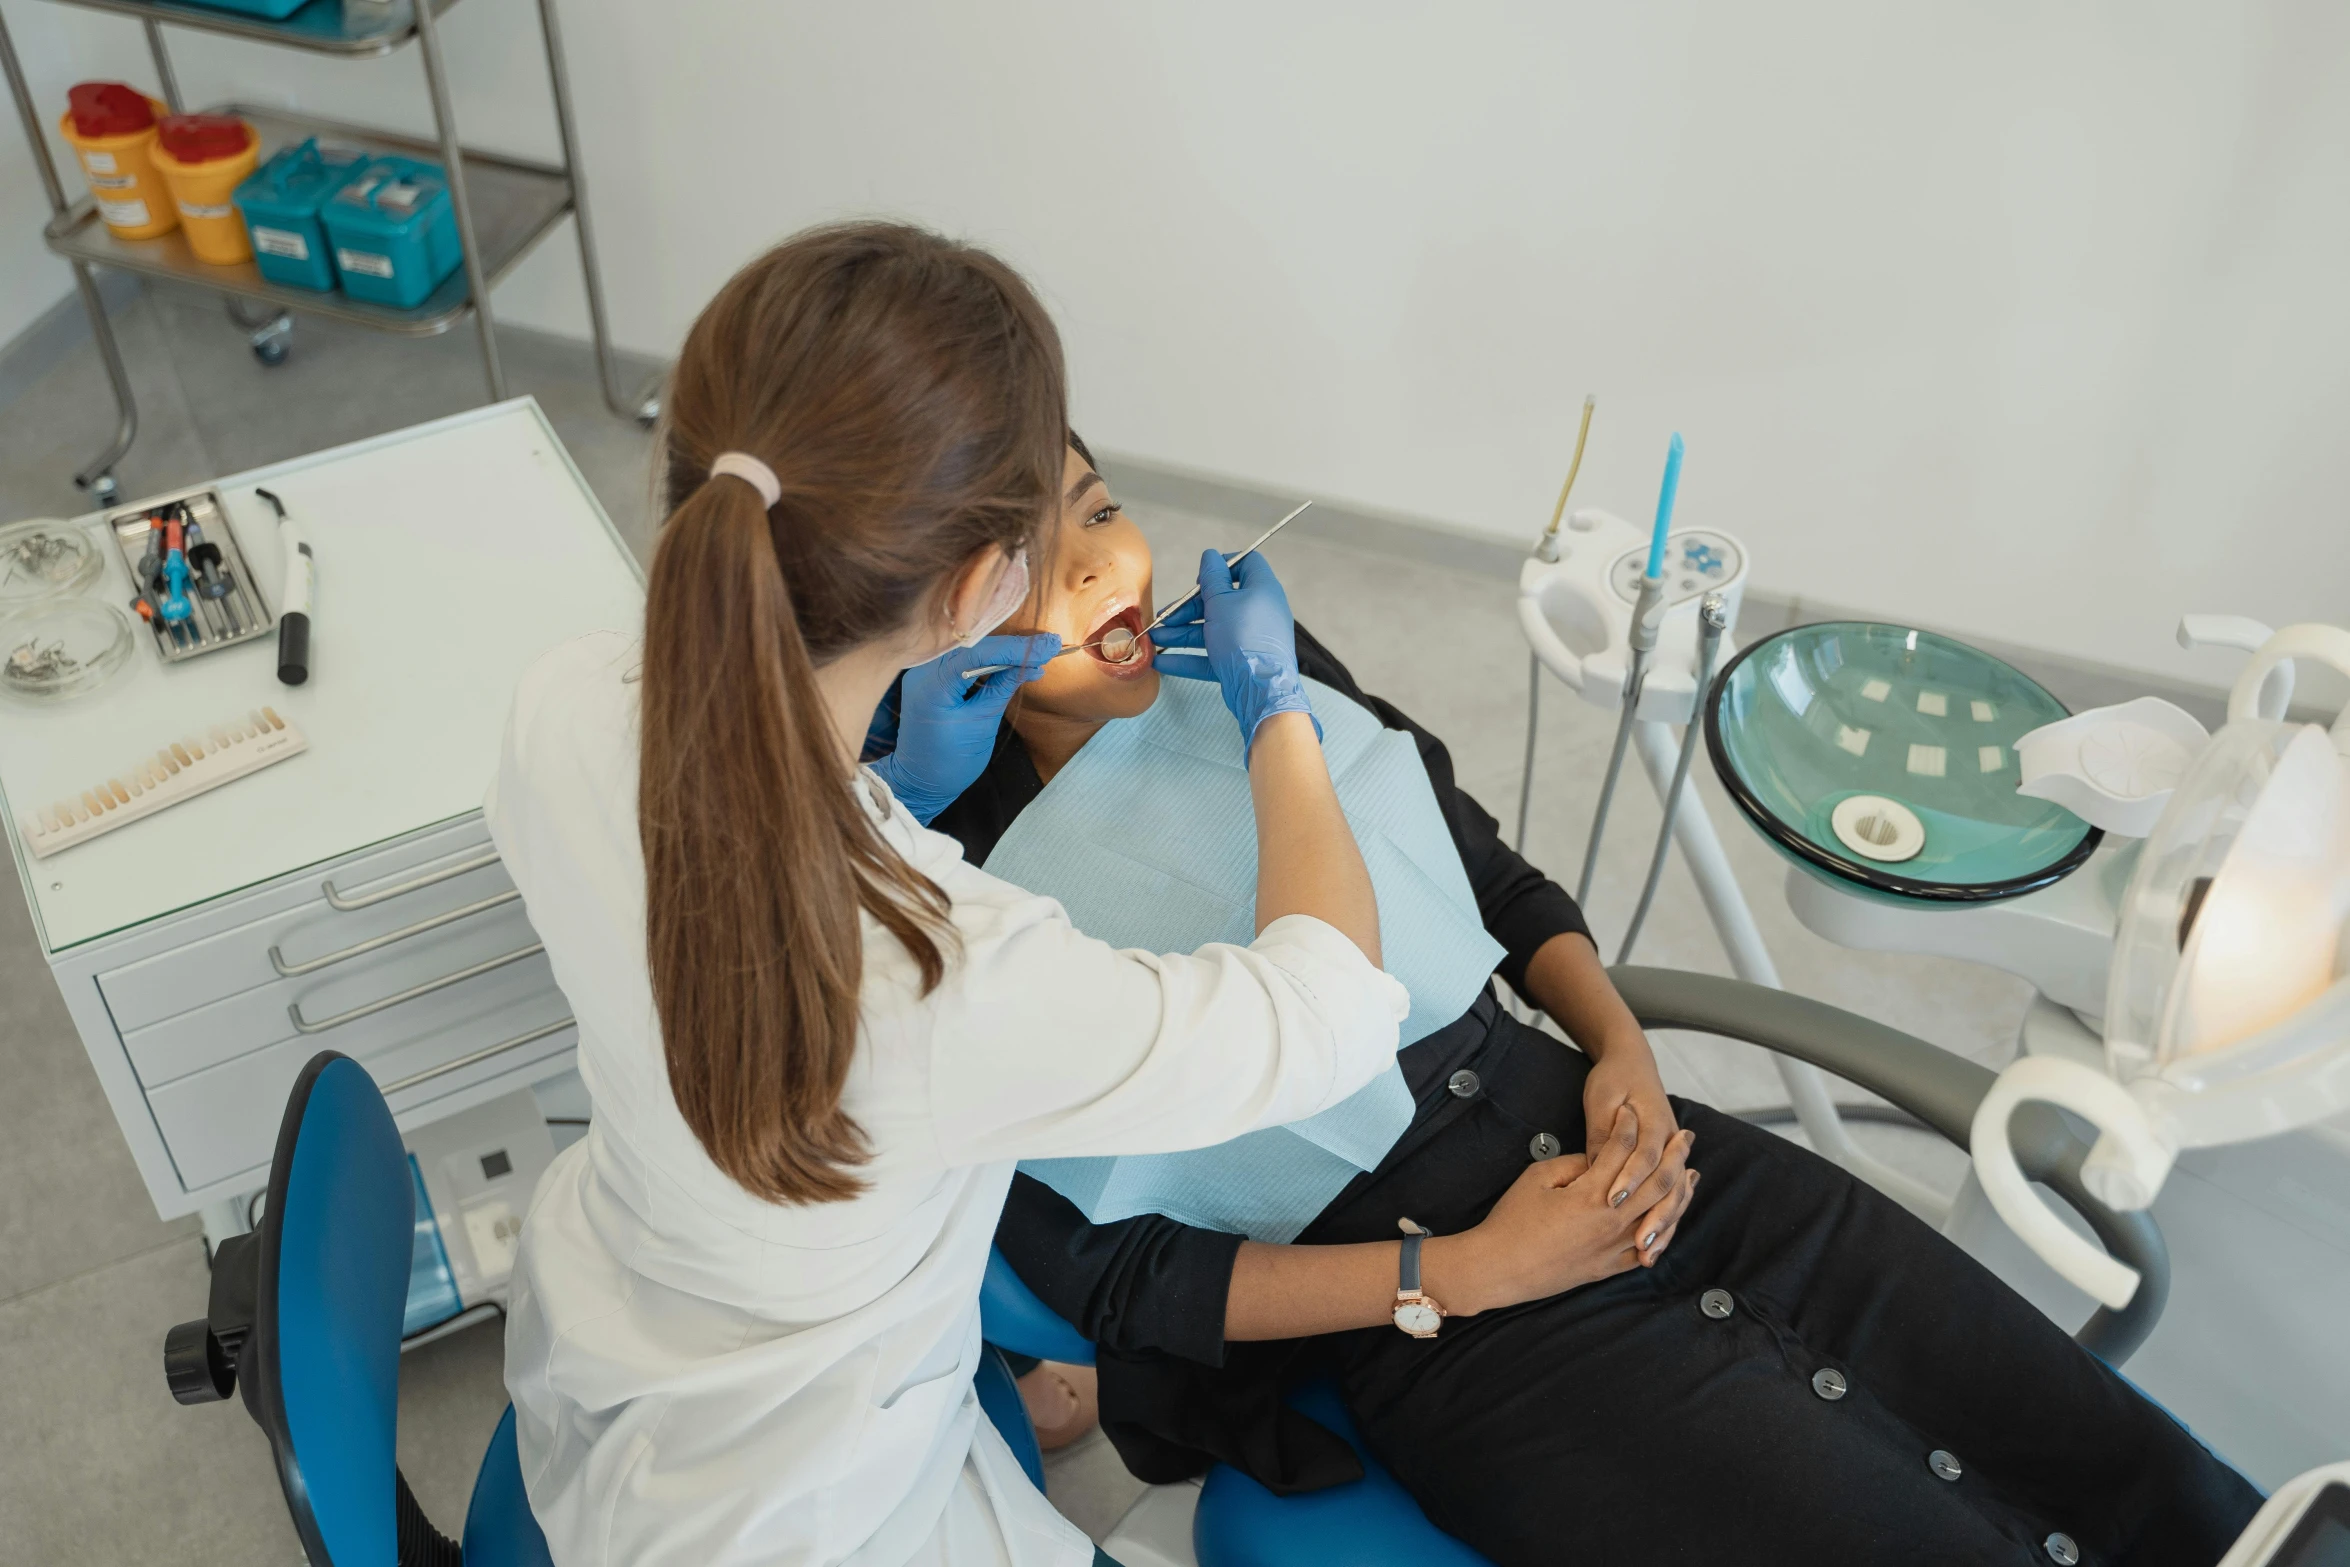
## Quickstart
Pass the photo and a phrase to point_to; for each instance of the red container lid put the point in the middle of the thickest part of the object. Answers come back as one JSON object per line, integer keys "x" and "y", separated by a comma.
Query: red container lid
{"x": 109, "y": 109}
{"x": 203, "y": 138}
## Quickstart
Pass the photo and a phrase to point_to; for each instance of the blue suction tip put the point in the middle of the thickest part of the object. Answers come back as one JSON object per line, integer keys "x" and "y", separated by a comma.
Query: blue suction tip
{"x": 1664, "y": 507}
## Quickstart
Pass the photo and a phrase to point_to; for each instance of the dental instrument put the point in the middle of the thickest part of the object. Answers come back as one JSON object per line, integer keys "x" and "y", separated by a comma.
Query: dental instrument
{"x": 1229, "y": 560}
{"x": 1126, "y": 641}
{"x": 1713, "y": 618}
{"x": 1643, "y": 643}
{"x": 176, "y": 607}
{"x": 297, "y": 587}
{"x": 1546, "y": 550}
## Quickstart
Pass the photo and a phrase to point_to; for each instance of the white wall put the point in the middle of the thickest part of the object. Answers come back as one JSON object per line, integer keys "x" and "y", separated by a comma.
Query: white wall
{"x": 2025, "y": 320}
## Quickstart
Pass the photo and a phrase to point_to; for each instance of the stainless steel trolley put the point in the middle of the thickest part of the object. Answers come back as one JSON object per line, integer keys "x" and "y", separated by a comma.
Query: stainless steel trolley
{"x": 504, "y": 205}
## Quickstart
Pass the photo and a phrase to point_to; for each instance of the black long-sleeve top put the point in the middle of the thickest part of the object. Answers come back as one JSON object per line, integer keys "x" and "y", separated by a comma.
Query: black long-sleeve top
{"x": 1151, "y": 1284}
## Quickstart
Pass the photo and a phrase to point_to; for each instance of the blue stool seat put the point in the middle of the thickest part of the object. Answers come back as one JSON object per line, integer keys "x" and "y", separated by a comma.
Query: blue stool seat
{"x": 1372, "y": 1522}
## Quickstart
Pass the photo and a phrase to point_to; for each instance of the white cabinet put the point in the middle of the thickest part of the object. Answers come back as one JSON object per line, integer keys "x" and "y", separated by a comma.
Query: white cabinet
{"x": 347, "y": 899}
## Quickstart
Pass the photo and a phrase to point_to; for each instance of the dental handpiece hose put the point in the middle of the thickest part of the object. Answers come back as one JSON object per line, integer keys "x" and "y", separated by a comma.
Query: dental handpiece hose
{"x": 1713, "y": 618}
{"x": 1647, "y": 612}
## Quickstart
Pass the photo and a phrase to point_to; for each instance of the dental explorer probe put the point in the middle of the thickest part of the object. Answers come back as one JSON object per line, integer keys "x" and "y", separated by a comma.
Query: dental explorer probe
{"x": 1546, "y": 550}
{"x": 1646, "y": 613}
{"x": 1230, "y": 561}
{"x": 1713, "y": 618}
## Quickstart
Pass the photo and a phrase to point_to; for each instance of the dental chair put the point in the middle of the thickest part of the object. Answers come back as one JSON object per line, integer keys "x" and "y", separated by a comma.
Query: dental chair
{"x": 305, "y": 1316}
{"x": 1373, "y": 1522}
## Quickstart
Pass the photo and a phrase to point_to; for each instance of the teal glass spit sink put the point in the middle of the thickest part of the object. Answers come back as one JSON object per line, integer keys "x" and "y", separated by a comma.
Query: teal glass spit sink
{"x": 1881, "y": 759}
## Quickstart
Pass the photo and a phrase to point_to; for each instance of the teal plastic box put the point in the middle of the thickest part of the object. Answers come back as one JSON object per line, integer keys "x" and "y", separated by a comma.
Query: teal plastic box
{"x": 275, "y": 10}
{"x": 281, "y": 202}
{"x": 394, "y": 232}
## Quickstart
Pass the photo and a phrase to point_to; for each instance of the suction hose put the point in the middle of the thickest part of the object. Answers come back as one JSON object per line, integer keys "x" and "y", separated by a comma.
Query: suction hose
{"x": 1713, "y": 618}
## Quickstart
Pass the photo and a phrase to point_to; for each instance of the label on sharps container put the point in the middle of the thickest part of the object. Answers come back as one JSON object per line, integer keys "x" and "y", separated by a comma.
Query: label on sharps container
{"x": 124, "y": 214}
{"x": 98, "y": 162}
{"x": 197, "y": 209}
{"x": 280, "y": 242}
{"x": 365, "y": 263}
{"x": 113, "y": 182}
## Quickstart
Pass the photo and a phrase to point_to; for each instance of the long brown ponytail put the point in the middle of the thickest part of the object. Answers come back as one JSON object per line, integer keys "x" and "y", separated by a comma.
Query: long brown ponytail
{"x": 908, "y": 394}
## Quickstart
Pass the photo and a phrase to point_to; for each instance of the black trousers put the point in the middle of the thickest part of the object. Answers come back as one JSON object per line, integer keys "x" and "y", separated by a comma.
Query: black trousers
{"x": 1622, "y": 1424}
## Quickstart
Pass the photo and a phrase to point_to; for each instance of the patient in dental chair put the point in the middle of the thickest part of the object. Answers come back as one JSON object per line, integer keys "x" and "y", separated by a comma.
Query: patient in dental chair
{"x": 1670, "y": 1336}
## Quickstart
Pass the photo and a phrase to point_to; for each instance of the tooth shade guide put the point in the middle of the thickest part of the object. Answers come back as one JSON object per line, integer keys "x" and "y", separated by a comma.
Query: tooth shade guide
{"x": 179, "y": 771}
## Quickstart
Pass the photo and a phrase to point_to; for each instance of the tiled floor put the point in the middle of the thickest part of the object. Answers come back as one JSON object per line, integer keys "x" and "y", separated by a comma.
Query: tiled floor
{"x": 100, "y": 1466}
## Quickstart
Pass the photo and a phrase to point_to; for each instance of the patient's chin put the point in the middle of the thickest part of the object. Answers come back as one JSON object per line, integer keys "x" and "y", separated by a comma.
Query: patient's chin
{"x": 1126, "y": 698}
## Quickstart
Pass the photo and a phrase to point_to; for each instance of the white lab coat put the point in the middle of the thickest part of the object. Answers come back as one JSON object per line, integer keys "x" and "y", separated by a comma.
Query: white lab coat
{"x": 700, "y": 1376}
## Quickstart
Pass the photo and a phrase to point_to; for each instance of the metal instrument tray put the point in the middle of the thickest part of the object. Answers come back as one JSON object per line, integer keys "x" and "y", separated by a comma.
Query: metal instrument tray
{"x": 217, "y": 622}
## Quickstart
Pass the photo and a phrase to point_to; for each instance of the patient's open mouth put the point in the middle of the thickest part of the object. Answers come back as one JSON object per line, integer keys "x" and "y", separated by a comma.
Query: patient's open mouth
{"x": 1118, "y": 642}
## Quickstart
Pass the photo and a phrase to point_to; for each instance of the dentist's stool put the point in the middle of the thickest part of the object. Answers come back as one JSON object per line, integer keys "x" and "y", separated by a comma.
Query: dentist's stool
{"x": 1371, "y": 1522}
{"x": 306, "y": 1312}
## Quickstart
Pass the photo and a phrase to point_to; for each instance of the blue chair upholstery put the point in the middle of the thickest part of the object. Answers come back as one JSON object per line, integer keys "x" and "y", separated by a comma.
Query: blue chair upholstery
{"x": 499, "y": 1530}
{"x": 1012, "y": 1317}
{"x": 334, "y": 1255}
{"x": 307, "y": 1313}
{"x": 999, "y": 1399}
{"x": 1372, "y": 1522}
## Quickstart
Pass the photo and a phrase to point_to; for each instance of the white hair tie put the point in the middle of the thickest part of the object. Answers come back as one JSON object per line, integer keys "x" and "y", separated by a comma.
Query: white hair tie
{"x": 756, "y": 474}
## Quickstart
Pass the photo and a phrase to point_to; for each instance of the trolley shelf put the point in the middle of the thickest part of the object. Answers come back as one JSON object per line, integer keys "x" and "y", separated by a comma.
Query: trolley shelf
{"x": 351, "y": 28}
{"x": 515, "y": 203}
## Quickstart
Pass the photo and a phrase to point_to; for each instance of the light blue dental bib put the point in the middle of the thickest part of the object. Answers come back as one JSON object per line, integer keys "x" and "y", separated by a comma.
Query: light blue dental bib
{"x": 1148, "y": 838}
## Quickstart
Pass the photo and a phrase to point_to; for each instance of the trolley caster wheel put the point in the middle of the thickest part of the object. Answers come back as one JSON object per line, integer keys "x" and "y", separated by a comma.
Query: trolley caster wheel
{"x": 102, "y": 487}
{"x": 268, "y": 330}
{"x": 648, "y": 412}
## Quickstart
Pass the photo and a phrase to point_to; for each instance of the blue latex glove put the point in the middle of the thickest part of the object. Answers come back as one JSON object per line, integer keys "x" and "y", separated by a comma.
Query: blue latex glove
{"x": 946, "y": 725}
{"x": 1241, "y": 619}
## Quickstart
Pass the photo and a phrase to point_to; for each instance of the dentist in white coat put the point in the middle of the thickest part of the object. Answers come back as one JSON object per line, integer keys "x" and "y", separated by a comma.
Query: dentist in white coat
{"x": 745, "y": 1314}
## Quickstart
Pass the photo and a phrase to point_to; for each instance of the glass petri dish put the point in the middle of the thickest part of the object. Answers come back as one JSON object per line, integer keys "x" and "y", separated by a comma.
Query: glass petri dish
{"x": 57, "y": 649}
{"x": 1881, "y": 759}
{"x": 46, "y": 558}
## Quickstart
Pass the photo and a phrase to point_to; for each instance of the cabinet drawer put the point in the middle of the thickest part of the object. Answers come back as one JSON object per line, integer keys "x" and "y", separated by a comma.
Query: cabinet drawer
{"x": 395, "y": 890}
{"x": 223, "y": 1122}
{"x": 266, "y": 1014}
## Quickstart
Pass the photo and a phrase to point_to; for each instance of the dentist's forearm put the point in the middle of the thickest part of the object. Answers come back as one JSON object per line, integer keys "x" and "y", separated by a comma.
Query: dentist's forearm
{"x": 1307, "y": 859}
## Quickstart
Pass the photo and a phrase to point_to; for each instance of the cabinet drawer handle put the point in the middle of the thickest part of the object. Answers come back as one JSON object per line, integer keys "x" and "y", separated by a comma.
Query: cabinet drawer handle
{"x": 303, "y": 1025}
{"x": 294, "y": 970}
{"x": 464, "y": 1061}
{"x": 335, "y": 900}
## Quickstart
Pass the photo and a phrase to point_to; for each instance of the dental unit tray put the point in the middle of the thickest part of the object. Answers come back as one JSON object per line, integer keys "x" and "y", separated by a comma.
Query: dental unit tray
{"x": 217, "y": 622}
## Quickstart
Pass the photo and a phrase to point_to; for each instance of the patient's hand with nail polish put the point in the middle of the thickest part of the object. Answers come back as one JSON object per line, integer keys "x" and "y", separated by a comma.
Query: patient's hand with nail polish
{"x": 1637, "y": 1290}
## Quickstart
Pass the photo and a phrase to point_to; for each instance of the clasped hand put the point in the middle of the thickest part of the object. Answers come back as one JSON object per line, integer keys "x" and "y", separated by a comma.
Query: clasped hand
{"x": 1561, "y": 1226}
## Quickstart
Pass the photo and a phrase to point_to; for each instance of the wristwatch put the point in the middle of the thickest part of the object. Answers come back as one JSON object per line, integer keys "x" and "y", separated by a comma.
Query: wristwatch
{"x": 1415, "y": 1313}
